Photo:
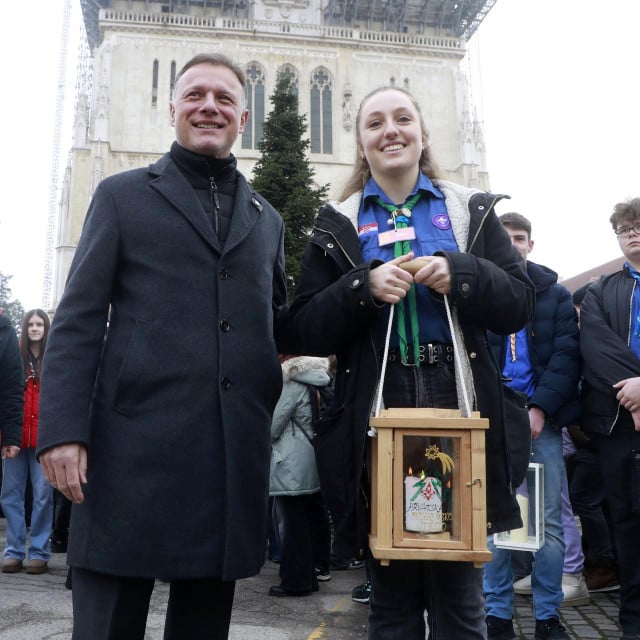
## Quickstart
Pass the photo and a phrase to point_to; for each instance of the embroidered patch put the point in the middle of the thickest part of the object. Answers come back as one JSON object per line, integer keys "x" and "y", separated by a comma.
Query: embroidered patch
{"x": 367, "y": 228}
{"x": 441, "y": 221}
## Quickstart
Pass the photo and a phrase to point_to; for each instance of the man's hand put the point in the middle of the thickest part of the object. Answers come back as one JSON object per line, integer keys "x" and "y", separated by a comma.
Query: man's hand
{"x": 390, "y": 283}
{"x": 536, "y": 421}
{"x": 65, "y": 468}
{"x": 10, "y": 451}
{"x": 436, "y": 275}
{"x": 629, "y": 397}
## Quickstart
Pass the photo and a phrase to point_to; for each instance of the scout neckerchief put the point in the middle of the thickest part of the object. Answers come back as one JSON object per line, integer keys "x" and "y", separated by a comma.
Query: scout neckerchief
{"x": 400, "y": 218}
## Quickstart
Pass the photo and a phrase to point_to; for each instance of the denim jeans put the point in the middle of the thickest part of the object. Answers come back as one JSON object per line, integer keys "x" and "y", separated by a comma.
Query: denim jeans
{"x": 450, "y": 592}
{"x": 15, "y": 472}
{"x": 546, "y": 577}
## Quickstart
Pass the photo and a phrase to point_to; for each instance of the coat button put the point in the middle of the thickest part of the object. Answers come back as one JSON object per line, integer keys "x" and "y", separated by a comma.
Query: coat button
{"x": 473, "y": 354}
{"x": 225, "y": 383}
{"x": 465, "y": 287}
{"x": 225, "y": 325}
{"x": 329, "y": 245}
{"x": 223, "y": 273}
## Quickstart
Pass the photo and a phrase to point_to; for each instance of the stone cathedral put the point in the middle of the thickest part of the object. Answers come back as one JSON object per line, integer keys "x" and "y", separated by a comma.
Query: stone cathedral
{"x": 335, "y": 51}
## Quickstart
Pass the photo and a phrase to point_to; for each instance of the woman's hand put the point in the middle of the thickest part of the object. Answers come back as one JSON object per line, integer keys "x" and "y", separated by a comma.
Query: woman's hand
{"x": 390, "y": 283}
{"x": 436, "y": 274}
{"x": 10, "y": 451}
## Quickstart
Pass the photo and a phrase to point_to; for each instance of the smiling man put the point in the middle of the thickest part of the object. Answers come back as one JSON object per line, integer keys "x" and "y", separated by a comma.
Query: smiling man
{"x": 610, "y": 345}
{"x": 158, "y": 427}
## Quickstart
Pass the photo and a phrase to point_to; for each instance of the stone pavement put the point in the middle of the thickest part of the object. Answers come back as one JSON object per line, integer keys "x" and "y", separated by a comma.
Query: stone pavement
{"x": 39, "y": 608}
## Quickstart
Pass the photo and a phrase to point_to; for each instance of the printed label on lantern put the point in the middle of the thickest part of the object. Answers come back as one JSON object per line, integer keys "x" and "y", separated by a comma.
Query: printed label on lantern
{"x": 396, "y": 235}
{"x": 423, "y": 504}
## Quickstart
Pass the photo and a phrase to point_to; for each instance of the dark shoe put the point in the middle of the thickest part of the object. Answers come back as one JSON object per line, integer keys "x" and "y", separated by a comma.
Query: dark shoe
{"x": 322, "y": 576}
{"x": 550, "y": 629}
{"x": 36, "y": 567}
{"x": 362, "y": 593}
{"x": 67, "y": 582}
{"x": 278, "y": 591}
{"x": 11, "y": 565}
{"x": 499, "y": 628}
{"x": 58, "y": 545}
{"x": 343, "y": 565}
{"x": 601, "y": 579}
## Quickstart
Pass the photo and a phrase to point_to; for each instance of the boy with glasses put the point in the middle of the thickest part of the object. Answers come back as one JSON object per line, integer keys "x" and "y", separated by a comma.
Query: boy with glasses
{"x": 610, "y": 345}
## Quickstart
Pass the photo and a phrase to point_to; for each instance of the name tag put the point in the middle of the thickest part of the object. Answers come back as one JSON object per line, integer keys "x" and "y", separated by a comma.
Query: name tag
{"x": 396, "y": 235}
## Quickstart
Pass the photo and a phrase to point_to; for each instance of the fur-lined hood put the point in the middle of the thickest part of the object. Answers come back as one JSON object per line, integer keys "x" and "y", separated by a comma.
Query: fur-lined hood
{"x": 306, "y": 369}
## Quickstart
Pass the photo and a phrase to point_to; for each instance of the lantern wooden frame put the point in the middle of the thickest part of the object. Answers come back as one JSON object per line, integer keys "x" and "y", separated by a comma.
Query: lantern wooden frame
{"x": 389, "y": 540}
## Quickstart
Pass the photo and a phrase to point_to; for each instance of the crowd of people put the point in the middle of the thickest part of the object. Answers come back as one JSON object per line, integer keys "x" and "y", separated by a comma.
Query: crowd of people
{"x": 167, "y": 353}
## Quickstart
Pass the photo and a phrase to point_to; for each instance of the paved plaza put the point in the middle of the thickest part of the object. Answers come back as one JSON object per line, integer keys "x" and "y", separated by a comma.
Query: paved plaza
{"x": 39, "y": 608}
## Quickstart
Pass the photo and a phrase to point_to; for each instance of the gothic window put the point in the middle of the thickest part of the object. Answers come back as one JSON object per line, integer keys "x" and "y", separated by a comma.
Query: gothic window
{"x": 392, "y": 82}
{"x": 154, "y": 85}
{"x": 321, "y": 123}
{"x": 289, "y": 72}
{"x": 252, "y": 135}
{"x": 172, "y": 78}
{"x": 406, "y": 84}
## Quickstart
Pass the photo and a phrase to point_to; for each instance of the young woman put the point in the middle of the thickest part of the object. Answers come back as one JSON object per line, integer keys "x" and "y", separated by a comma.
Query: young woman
{"x": 16, "y": 471}
{"x": 352, "y": 273}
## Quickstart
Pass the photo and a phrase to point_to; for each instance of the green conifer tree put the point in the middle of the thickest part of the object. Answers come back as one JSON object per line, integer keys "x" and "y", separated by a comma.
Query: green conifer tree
{"x": 283, "y": 175}
{"x": 12, "y": 309}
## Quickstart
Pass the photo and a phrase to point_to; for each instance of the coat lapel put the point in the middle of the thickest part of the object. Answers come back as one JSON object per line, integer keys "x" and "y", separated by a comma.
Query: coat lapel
{"x": 170, "y": 182}
{"x": 246, "y": 212}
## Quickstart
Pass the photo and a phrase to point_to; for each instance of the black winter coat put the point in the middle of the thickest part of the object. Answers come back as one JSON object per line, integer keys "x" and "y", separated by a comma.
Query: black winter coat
{"x": 604, "y": 341}
{"x": 11, "y": 385}
{"x": 334, "y": 312}
{"x": 174, "y": 404}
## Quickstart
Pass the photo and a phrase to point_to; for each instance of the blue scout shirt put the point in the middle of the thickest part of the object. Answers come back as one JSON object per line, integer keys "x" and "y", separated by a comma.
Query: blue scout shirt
{"x": 431, "y": 222}
{"x": 634, "y": 329}
{"x": 517, "y": 365}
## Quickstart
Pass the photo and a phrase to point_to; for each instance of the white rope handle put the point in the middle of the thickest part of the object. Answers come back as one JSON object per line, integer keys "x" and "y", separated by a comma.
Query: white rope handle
{"x": 458, "y": 361}
{"x": 456, "y": 357}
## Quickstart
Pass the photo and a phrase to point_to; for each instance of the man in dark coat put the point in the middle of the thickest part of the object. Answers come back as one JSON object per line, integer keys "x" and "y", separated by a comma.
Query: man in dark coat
{"x": 158, "y": 427}
{"x": 11, "y": 390}
{"x": 610, "y": 345}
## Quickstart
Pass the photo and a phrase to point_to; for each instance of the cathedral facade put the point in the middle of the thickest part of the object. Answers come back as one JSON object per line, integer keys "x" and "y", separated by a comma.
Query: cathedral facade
{"x": 334, "y": 53}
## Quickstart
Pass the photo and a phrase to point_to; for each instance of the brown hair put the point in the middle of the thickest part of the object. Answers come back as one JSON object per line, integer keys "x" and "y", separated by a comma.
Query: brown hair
{"x": 516, "y": 221}
{"x": 218, "y": 60}
{"x": 361, "y": 170}
{"x": 25, "y": 342}
{"x": 627, "y": 210}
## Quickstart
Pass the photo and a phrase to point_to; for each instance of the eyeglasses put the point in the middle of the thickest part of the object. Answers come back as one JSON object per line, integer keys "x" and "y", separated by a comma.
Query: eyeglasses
{"x": 626, "y": 231}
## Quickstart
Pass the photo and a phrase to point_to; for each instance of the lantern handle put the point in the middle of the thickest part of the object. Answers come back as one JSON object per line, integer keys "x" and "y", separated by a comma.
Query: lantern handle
{"x": 456, "y": 356}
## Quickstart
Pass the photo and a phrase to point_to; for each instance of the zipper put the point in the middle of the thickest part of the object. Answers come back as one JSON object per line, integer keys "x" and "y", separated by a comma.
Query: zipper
{"x": 346, "y": 255}
{"x": 633, "y": 288}
{"x": 215, "y": 203}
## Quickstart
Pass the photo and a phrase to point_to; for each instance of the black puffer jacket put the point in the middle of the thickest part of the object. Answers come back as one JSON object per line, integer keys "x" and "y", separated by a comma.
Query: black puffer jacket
{"x": 334, "y": 312}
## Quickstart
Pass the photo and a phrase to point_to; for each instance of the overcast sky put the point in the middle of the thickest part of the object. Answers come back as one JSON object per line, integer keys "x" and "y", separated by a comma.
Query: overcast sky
{"x": 559, "y": 104}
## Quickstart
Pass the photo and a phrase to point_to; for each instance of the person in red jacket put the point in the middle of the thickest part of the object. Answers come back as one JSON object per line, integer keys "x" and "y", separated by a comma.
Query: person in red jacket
{"x": 16, "y": 471}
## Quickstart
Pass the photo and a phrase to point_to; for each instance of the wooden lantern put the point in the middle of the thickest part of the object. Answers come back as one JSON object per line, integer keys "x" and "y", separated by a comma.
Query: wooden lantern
{"x": 428, "y": 486}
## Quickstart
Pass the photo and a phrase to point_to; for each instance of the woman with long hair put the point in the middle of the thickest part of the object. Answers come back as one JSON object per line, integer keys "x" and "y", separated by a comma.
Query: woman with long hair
{"x": 17, "y": 471}
{"x": 359, "y": 263}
